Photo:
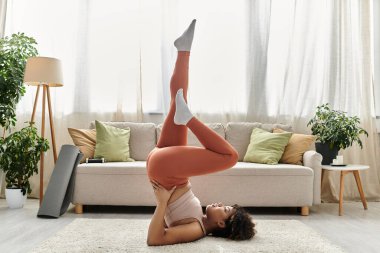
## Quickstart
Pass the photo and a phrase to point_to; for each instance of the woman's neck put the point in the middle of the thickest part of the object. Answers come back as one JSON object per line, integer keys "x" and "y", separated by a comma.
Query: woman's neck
{"x": 209, "y": 226}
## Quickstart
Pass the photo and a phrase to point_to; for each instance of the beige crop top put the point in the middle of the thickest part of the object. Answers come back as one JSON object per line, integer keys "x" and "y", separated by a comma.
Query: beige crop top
{"x": 186, "y": 206}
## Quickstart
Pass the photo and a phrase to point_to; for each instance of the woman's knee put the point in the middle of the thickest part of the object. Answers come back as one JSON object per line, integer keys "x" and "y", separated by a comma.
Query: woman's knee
{"x": 234, "y": 157}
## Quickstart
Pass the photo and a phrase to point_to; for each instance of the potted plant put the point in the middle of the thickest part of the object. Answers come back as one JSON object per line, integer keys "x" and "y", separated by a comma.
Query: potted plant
{"x": 335, "y": 130}
{"x": 14, "y": 51}
{"x": 20, "y": 153}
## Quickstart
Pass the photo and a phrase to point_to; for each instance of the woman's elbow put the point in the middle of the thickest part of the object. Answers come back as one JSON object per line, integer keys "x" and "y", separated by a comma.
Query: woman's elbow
{"x": 232, "y": 158}
{"x": 161, "y": 242}
{"x": 151, "y": 242}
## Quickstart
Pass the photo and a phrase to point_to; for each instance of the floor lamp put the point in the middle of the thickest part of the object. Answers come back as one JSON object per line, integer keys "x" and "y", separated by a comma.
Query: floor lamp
{"x": 45, "y": 72}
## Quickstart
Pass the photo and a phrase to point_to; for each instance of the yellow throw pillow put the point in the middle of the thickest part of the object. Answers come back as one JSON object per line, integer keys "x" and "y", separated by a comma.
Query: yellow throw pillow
{"x": 85, "y": 140}
{"x": 297, "y": 146}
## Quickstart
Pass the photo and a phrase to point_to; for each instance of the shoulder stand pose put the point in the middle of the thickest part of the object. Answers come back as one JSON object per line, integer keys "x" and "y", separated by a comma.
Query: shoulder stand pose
{"x": 178, "y": 216}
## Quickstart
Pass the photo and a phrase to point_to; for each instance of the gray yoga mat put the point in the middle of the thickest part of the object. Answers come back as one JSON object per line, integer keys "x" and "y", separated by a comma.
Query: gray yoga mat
{"x": 60, "y": 190}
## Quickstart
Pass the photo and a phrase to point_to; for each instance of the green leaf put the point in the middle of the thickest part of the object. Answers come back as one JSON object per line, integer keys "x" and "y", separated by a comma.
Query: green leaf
{"x": 14, "y": 52}
{"x": 20, "y": 153}
{"x": 335, "y": 127}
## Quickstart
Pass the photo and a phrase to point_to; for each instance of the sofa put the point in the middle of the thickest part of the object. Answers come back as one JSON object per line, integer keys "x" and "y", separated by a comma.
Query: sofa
{"x": 246, "y": 184}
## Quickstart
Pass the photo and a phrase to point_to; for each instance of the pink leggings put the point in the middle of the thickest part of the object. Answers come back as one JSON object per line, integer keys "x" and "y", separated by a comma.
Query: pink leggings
{"x": 172, "y": 162}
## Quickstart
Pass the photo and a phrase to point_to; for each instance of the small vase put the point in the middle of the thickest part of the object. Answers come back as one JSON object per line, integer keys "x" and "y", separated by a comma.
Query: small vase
{"x": 327, "y": 153}
{"x": 15, "y": 198}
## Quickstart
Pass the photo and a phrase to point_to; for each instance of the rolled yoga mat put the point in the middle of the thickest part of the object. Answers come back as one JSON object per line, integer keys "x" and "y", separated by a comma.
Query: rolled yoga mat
{"x": 60, "y": 190}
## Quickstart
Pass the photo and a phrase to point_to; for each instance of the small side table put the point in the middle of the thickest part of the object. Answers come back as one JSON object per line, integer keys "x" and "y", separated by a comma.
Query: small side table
{"x": 354, "y": 168}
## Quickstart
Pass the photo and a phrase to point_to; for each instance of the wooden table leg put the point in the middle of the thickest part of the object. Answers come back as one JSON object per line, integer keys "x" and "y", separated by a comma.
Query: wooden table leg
{"x": 323, "y": 173}
{"x": 341, "y": 193}
{"x": 359, "y": 184}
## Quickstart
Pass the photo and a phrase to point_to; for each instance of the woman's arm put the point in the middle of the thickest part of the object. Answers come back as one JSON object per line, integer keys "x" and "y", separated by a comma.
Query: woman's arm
{"x": 180, "y": 234}
{"x": 157, "y": 225}
{"x": 158, "y": 234}
{"x": 156, "y": 230}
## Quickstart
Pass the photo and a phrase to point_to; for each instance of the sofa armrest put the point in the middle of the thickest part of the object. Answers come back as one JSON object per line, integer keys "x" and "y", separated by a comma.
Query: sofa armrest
{"x": 313, "y": 160}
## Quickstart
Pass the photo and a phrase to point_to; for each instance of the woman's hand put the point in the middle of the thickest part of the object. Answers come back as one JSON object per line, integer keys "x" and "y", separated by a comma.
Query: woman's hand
{"x": 162, "y": 195}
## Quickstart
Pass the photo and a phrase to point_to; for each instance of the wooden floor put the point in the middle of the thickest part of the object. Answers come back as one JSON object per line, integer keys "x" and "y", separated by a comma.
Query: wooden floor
{"x": 356, "y": 231}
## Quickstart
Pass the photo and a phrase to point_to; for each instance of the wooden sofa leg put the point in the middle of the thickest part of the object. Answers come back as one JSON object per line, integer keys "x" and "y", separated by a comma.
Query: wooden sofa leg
{"x": 78, "y": 208}
{"x": 305, "y": 211}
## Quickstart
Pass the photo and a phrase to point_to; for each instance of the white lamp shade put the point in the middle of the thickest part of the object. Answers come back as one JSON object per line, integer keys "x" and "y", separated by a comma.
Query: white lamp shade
{"x": 43, "y": 70}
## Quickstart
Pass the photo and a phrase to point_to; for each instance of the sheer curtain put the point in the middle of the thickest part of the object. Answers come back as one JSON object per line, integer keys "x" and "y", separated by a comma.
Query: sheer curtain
{"x": 305, "y": 53}
{"x": 267, "y": 61}
{"x": 118, "y": 59}
{"x": 217, "y": 78}
{"x": 3, "y": 6}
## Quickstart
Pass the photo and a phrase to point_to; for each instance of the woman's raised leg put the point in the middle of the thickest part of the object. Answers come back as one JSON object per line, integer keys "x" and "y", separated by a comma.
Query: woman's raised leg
{"x": 174, "y": 162}
{"x": 174, "y": 165}
{"x": 172, "y": 134}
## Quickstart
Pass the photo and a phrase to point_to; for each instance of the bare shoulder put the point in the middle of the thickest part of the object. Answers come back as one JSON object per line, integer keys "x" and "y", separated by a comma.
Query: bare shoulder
{"x": 183, "y": 233}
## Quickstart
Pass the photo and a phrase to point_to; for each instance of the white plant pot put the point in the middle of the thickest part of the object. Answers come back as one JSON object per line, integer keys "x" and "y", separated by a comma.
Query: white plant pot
{"x": 14, "y": 198}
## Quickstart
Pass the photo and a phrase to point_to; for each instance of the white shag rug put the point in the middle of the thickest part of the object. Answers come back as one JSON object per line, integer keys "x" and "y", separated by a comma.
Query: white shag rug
{"x": 129, "y": 235}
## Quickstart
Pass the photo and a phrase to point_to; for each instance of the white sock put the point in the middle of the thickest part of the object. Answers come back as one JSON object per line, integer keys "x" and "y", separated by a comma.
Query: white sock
{"x": 182, "y": 112}
{"x": 183, "y": 43}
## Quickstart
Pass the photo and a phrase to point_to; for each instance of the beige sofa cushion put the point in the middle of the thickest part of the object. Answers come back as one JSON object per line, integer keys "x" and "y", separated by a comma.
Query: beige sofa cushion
{"x": 239, "y": 169}
{"x": 192, "y": 140}
{"x": 143, "y": 137}
{"x": 238, "y": 134}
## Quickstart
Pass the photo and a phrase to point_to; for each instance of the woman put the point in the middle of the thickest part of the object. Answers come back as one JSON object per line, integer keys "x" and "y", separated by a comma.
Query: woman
{"x": 178, "y": 216}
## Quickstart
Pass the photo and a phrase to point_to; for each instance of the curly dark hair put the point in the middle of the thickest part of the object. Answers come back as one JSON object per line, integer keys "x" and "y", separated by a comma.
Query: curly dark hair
{"x": 238, "y": 227}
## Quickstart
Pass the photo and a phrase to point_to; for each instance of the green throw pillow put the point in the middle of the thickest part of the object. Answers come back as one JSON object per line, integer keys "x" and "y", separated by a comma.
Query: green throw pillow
{"x": 112, "y": 143}
{"x": 266, "y": 147}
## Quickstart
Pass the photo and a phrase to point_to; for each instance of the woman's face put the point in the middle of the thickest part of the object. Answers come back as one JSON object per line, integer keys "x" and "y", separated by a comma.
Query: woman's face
{"x": 217, "y": 212}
